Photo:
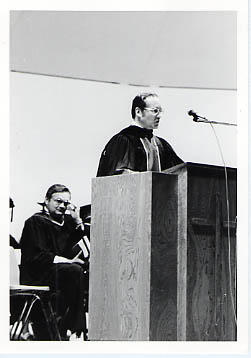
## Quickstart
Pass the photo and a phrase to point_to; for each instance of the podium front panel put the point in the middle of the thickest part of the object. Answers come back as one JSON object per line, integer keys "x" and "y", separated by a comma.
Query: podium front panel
{"x": 133, "y": 266}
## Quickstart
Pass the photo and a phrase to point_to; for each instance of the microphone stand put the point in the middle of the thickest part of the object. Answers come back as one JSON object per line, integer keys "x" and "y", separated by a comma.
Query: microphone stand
{"x": 205, "y": 120}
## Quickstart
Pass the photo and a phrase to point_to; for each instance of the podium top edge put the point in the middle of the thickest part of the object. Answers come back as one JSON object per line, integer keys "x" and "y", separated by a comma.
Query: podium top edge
{"x": 198, "y": 166}
{"x": 190, "y": 166}
{"x": 134, "y": 173}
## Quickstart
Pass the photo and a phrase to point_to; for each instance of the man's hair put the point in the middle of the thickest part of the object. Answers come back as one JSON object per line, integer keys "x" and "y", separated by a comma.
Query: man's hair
{"x": 56, "y": 188}
{"x": 139, "y": 101}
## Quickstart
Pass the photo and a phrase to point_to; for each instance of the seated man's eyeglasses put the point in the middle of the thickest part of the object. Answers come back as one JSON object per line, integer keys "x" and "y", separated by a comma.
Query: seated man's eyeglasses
{"x": 155, "y": 110}
{"x": 59, "y": 202}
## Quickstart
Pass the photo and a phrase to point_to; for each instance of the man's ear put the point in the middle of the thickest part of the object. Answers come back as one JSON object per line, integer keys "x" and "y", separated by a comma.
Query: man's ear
{"x": 46, "y": 201}
{"x": 138, "y": 112}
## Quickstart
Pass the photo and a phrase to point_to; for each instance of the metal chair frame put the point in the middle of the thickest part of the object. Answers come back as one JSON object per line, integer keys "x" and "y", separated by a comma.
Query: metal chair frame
{"x": 32, "y": 295}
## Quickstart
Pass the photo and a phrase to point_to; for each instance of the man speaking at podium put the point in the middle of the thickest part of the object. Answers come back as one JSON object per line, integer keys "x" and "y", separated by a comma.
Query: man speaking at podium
{"x": 135, "y": 148}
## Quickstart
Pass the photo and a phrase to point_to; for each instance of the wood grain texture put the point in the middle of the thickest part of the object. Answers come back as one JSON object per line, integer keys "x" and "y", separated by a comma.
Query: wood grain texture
{"x": 206, "y": 253}
{"x": 120, "y": 258}
{"x": 133, "y": 268}
{"x": 160, "y": 250}
{"x": 163, "y": 314}
{"x": 209, "y": 308}
{"x": 182, "y": 256}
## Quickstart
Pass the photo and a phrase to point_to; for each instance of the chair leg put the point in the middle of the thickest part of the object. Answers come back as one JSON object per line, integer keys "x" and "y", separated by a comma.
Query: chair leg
{"x": 85, "y": 333}
{"x": 23, "y": 319}
{"x": 18, "y": 327}
{"x": 50, "y": 320}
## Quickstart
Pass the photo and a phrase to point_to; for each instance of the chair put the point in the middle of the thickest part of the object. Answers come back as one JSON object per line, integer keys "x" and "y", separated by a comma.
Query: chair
{"x": 23, "y": 298}
{"x": 84, "y": 245}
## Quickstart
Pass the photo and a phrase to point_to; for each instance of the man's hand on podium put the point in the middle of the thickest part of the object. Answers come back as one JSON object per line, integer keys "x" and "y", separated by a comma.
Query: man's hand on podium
{"x": 125, "y": 171}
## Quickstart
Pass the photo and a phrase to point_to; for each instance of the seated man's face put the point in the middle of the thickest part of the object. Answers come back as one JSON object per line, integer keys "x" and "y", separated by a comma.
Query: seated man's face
{"x": 149, "y": 119}
{"x": 57, "y": 204}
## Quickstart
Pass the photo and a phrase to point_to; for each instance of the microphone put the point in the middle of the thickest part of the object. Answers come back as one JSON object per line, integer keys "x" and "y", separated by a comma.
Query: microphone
{"x": 194, "y": 115}
{"x": 197, "y": 118}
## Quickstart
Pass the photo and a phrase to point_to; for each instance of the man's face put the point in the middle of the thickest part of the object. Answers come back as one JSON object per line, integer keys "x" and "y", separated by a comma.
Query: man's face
{"x": 148, "y": 118}
{"x": 57, "y": 204}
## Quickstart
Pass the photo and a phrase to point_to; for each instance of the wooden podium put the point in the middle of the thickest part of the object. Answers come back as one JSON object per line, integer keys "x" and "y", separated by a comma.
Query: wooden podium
{"x": 163, "y": 258}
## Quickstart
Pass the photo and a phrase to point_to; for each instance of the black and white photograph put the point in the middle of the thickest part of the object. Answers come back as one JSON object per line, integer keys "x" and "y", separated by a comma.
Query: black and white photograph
{"x": 127, "y": 224}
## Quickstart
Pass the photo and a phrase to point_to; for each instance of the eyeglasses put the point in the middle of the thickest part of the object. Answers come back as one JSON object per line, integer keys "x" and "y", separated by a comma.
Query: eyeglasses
{"x": 155, "y": 110}
{"x": 59, "y": 202}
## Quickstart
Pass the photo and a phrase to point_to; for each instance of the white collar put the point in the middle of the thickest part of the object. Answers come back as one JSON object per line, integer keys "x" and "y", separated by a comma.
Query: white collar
{"x": 136, "y": 124}
{"x": 56, "y": 222}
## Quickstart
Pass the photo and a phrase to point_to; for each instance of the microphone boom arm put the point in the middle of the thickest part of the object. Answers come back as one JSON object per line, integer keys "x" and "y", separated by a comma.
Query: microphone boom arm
{"x": 205, "y": 120}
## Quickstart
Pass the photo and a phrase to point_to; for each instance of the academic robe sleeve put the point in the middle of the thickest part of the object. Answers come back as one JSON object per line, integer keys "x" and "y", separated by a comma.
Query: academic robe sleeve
{"x": 168, "y": 156}
{"x": 73, "y": 238}
{"x": 117, "y": 155}
{"x": 36, "y": 251}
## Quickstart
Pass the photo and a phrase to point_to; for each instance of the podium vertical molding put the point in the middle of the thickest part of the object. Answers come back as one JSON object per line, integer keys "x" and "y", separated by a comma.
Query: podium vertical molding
{"x": 163, "y": 312}
{"x": 182, "y": 256}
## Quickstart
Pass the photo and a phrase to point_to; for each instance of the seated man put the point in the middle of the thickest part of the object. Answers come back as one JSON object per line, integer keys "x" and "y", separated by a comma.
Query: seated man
{"x": 136, "y": 148}
{"x": 48, "y": 258}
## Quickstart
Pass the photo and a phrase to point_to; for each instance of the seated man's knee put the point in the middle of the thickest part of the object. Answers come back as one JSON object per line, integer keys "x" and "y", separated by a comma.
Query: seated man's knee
{"x": 69, "y": 272}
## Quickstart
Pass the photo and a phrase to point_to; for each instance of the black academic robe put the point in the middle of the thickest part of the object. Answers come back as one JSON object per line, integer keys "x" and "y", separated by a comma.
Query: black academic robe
{"x": 41, "y": 240}
{"x": 125, "y": 151}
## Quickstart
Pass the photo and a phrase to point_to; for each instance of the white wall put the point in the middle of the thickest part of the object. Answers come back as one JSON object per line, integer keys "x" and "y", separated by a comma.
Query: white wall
{"x": 168, "y": 48}
{"x": 58, "y": 128}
